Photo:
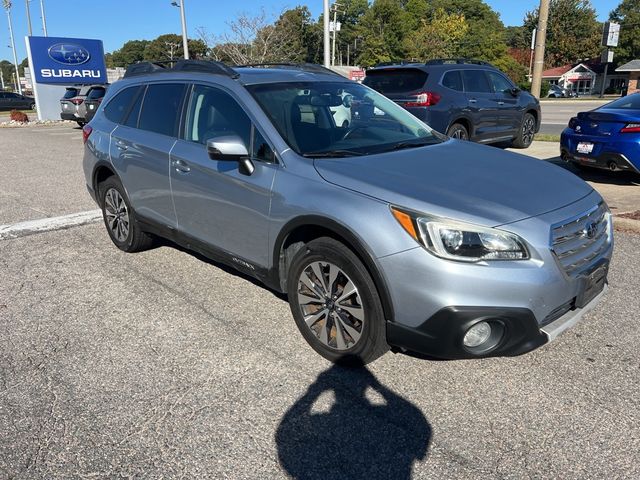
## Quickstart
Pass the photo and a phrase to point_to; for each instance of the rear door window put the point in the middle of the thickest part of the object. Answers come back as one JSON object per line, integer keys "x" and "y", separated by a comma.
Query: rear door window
{"x": 396, "y": 80}
{"x": 475, "y": 81}
{"x": 161, "y": 108}
{"x": 453, "y": 80}
{"x": 70, "y": 93}
{"x": 119, "y": 105}
{"x": 96, "y": 93}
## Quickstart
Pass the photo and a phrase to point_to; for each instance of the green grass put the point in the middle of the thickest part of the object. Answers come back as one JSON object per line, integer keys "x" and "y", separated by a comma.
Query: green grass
{"x": 545, "y": 137}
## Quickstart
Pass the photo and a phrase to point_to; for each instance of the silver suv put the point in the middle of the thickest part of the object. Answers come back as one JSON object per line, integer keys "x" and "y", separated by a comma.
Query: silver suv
{"x": 382, "y": 232}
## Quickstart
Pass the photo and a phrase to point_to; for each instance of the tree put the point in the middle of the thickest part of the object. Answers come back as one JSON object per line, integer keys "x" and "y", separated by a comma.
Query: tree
{"x": 384, "y": 27}
{"x": 8, "y": 71}
{"x": 438, "y": 37}
{"x": 573, "y": 31}
{"x": 169, "y": 47}
{"x": 131, "y": 52}
{"x": 627, "y": 14}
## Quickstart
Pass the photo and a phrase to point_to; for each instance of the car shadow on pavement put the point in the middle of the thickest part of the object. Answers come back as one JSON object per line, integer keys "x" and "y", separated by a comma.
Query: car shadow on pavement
{"x": 365, "y": 431}
{"x": 598, "y": 175}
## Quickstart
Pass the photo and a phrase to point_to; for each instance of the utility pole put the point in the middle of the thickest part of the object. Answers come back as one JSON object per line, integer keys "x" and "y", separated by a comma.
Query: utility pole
{"x": 325, "y": 18}
{"x": 7, "y": 6}
{"x": 44, "y": 20}
{"x": 335, "y": 32}
{"x": 533, "y": 46}
{"x": 26, "y": 2}
{"x": 541, "y": 38}
{"x": 171, "y": 46}
{"x": 1, "y": 79}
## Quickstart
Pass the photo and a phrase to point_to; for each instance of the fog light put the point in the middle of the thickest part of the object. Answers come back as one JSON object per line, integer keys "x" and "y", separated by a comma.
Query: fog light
{"x": 477, "y": 335}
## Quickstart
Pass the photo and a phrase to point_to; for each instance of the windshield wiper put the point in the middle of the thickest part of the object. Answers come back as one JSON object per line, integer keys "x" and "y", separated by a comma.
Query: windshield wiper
{"x": 411, "y": 144}
{"x": 333, "y": 154}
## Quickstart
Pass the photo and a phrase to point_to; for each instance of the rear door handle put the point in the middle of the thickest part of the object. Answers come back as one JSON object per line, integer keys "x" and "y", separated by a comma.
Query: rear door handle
{"x": 121, "y": 145}
{"x": 500, "y": 103}
{"x": 472, "y": 100}
{"x": 180, "y": 166}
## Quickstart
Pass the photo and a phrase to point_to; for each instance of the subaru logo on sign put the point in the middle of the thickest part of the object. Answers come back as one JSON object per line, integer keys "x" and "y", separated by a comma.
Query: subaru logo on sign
{"x": 69, "y": 54}
{"x": 590, "y": 230}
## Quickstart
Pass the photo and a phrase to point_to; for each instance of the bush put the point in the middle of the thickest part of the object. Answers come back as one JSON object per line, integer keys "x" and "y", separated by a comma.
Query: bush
{"x": 18, "y": 116}
{"x": 544, "y": 87}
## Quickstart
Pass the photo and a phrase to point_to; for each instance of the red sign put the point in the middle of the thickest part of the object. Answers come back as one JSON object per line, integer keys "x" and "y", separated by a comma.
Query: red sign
{"x": 356, "y": 75}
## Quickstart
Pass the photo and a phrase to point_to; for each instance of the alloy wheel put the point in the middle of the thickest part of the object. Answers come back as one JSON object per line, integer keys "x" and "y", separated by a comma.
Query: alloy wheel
{"x": 528, "y": 129}
{"x": 331, "y": 305}
{"x": 117, "y": 214}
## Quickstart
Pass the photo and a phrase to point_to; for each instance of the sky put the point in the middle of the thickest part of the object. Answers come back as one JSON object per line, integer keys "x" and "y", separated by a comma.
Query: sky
{"x": 116, "y": 21}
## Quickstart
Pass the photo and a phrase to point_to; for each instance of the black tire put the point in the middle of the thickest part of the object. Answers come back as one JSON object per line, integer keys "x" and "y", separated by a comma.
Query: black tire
{"x": 32, "y": 106}
{"x": 135, "y": 240}
{"x": 526, "y": 132}
{"x": 459, "y": 131}
{"x": 371, "y": 342}
{"x": 80, "y": 123}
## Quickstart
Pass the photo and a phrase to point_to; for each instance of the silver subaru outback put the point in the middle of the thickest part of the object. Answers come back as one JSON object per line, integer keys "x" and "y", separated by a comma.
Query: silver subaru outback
{"x": 382, "y": 232}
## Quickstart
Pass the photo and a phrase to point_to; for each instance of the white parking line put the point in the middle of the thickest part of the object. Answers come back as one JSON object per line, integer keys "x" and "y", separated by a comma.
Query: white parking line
{"x": 42, "y": 225}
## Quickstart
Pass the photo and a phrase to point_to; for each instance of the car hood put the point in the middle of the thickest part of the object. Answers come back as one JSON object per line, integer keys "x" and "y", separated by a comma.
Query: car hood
{"x": 461, "y": 180}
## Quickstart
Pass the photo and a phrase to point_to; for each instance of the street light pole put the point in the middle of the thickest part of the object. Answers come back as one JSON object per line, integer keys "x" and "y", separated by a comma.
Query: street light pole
{"x": 7, "y": 6}
{"x": 185, "y": 43}
{"x": 325, "y": 17}
{"x": 26, "y": 2}
{"x": 44, "y": 20}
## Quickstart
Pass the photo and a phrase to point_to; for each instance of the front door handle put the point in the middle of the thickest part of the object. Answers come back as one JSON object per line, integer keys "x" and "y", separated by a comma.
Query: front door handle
{"x": 500, "y": 103}
{"x": 180, "y": 166}
{"x": 472, "y": 100}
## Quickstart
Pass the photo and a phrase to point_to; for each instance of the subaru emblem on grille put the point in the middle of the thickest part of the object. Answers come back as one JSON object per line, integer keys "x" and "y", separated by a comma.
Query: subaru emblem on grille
{"x": 590, "y": 230}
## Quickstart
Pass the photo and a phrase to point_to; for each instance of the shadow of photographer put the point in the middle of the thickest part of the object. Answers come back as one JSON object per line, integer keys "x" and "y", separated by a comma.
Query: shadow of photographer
{"x": 366, "y": 432}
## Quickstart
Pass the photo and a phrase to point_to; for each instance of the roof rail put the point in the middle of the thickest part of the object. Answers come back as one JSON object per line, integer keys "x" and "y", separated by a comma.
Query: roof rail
{"x": 181, "y": 65}
{"x": 459, "y": 61}
{"x": 307, "y": 67}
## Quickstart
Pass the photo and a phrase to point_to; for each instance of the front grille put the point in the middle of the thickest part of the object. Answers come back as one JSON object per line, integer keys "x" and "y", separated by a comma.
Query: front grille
{"x": 580, "y": 241}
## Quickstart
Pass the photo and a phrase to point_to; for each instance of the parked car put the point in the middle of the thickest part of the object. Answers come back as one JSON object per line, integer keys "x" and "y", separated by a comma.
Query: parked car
{"x": 464, "y": 99}
{"x": 383, "y": 234}
{"x": 72, "y": 103}
{"x": 11, "y": 101}
{"x": 93, "y": 101}
{"x": 556, "y": 91}
{"x": 606, "y": 137}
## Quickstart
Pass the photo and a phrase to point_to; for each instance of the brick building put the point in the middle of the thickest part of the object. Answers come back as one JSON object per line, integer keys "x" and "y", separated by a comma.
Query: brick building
{"x": 633, "y": 69}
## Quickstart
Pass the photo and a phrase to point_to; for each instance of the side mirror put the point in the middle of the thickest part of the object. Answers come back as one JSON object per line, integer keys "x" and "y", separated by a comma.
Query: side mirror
{"x": 515, "y": 91}
{"x": 230, "y": 148}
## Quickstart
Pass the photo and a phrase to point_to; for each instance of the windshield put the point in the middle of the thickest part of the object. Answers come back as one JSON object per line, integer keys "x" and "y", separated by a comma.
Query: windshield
{"x": 339, "y": 119}
{"x": 632, "y": 102}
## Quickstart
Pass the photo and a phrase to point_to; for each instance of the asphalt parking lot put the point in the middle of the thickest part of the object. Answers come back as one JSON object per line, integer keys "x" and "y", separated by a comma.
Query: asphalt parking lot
{"x": 162, "y": 365}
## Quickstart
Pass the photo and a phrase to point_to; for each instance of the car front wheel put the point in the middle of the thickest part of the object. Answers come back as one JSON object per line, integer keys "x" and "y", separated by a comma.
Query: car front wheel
{"x": 335, "y": 303}
{"x": 526, "y": 132}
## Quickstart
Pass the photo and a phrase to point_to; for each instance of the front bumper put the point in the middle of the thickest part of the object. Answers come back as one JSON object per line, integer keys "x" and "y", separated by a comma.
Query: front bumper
{"x": 441, "y": 335}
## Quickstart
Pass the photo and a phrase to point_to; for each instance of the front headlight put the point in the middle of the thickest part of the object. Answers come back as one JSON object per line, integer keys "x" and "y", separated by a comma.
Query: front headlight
{"x": 461, "y": 241}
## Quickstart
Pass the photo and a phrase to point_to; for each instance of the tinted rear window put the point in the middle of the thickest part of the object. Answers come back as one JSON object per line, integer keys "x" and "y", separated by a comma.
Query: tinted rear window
{"x": 475, "y": 81}
{"x": 96, "y": 93}
{"x": 396, "y": 81}
{"x": 70, "y": 93}
{"x": 453, "y": 80}
{"x": 632, "y": 102}
{"x": 118, "y": 106}
{"x": 161, "y": 108}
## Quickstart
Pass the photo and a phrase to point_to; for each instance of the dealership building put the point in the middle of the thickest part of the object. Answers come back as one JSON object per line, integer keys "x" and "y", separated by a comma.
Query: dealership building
{"x": 585, "y": 78}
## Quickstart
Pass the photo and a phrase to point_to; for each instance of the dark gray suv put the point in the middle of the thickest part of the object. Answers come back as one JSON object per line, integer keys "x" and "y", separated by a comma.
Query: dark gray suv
{"x": 382, "y": 232}
{"x": 465, "y": 99}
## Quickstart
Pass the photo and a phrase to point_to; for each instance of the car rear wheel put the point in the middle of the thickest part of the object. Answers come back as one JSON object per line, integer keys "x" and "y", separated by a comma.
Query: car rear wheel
{"x": 459, "y": 131}
{"x": 526, "y": 132}
{"x": 32, "y": 106}
{"x": 335, "y": 303}
{"x": 119, "y": 218}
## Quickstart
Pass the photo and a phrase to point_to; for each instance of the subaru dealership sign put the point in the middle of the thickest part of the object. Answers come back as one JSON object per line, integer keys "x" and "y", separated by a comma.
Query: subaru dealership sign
{"x": 67, "y": 60}
{"x": 57, "y": 62}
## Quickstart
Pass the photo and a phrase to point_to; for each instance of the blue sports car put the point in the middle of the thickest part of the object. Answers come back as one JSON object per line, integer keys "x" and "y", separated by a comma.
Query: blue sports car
{"x": 607, "y": 137}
